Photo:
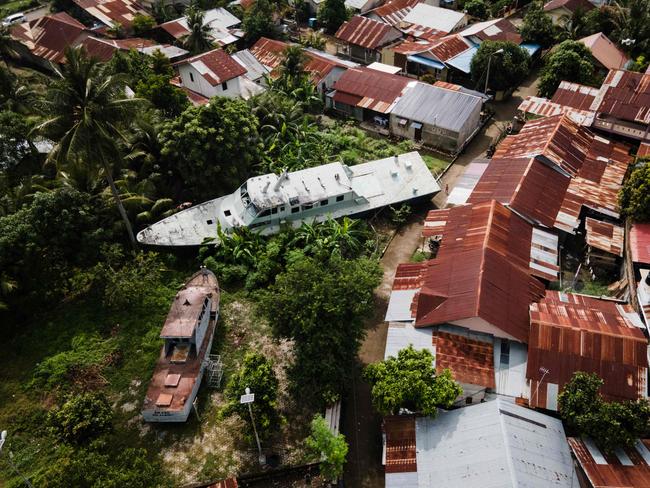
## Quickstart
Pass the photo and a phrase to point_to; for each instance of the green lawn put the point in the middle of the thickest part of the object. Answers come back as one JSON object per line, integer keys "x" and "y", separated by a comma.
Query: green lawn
{"x": 435, "y": 164}
{"x": 14, "y": 6}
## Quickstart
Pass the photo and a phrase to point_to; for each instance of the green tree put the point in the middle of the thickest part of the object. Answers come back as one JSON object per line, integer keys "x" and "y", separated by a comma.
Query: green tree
{"x": 309, "y": 294}
{"x": 537, "y": 26}
{"x": 410, "y": 381}
{"x": 640, "y": 64}
{"x": 16, "y": 145}
{"x": 7, "y": 50}
{"x": 507, "y": 69}
{"x": 332, "y": 14}
{"x": 257, "y": 374}
{"x": 212, "y": 148}
{"x": 169, "y": 99}
{"x": 258, "y": 22}
{"x": 116, "y": 30}
{"x": 82, "y": 417}
{"x": 328, "y": 448}
{"x": 631, "y": 19}
{"x": 478, "y": 9}
{"x": 199, "y": 38}
{"x": 571, "y": 61}
{"x": 87, "y": 109}
{"x": 142, "y": 24}
{"x": 634, "y": 197}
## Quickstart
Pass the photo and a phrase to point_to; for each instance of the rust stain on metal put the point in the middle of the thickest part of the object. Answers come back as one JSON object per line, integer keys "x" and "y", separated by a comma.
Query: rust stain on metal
{"x": 605, "y": 236}
{"x": 400, "y": 444}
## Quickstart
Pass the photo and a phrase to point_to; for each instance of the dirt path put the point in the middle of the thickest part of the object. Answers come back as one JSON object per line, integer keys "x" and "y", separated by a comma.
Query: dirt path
{"x": 360, "y": 424}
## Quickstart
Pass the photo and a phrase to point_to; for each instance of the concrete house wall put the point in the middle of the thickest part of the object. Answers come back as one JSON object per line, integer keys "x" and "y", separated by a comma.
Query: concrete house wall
{"x": 193, "y": 80}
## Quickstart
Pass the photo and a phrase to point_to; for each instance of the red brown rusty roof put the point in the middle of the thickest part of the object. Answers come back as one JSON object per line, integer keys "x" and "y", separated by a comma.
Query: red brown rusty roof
{"x": 371, "y": 89}
{"x": 449, "y": 47}
{"x": 605, "y": 51}
{"x": 393, "y": 11}
{"x": 111, "y": 11}
{"x": 364, "y": 32}
{"x": 414, "y": 46}
{"x": 575, "y": 95}
{"x": 570, "y": 5}
{"x": 570, "y": 333}
{"x": 605, "y": 236}
{"x": 471, "y": 361}
{"x": 644, "y": 150}
{"x": 408, "y": 276}
{"x": 481, "y": 270}
{"x": 640, "y": 243}
{"x": 400, "y": 444}
{"x": 175, "y": 29}
{"x": 493, "y": 30}
{"x": 625, "y": 95}
{"x": 220, "y": 66}
{"x": 613, "y": 473}
{"x": 435, "y": 222}
{"x": 104, "y": 49}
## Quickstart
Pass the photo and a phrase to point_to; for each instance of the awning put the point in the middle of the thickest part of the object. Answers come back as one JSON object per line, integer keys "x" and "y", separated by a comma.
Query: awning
{"x": 415, "y": 58}
{"x": 530, "y": 48}
{"x": 416, "y": 125}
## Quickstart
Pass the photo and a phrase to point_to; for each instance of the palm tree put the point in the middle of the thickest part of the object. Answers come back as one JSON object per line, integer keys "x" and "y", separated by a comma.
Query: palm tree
{"x": 198, "y": 40}
{"x": 631, "y": 20}
{"x": 7, "y": 44}
{"x": 87, "y": 108}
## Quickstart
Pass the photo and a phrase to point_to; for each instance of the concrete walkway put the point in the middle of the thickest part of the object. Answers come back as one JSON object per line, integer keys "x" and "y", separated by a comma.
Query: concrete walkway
{"x": 361, "y": 425}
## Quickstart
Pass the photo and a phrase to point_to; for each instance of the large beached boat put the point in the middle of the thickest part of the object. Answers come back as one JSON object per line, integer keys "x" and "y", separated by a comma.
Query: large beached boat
{"x": 266, "y": 203}
{"x": 188, "y": 333}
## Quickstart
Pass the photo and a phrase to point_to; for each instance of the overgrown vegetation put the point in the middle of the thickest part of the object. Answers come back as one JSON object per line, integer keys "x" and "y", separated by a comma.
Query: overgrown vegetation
{"x": 328, "y": 448}
{"x": 634, "y": 197}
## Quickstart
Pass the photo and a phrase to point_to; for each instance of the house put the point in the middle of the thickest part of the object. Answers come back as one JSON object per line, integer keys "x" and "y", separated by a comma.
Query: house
{"x": 354, "y": 6}
{"x": 104, "y": 49}
{"x": 425, "y": 21}
{"x": 605, "y": 52}
{"x": 571, "y": 333}
{"x": 362, "y": 38}
{"x": 365, "y": 93}
{"x": 604, "y": 247}
{"x": 627, "y": 466}
{"x": 111, "y": 12}
{"x": 491, "y": 30}
{"x": 639, "y": 239}
{"x": 469, "y": 304}
{"x": 392, "y": 12}
{"x": 324, "y": 69}
{"x": 255, "y": 71}
{"x": 216, "y": 73}
{"x": 436, "y": 116}
{"x": 42, "y": 42}
{"x": 496, "y": 444}
{"x": 622, "y": 105}
{"x": 224, "y": 27}
{"x": 554, "y": 171}
{"x": 559, "y": 10}
{"x": 571, "y": 99}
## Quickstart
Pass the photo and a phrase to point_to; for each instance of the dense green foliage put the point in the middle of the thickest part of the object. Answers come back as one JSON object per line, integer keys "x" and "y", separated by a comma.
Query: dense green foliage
{"x": 257, "y": 374}
{"x": 142, "y": 24}
{"x": 331, "y": 14}
{"x": 571, "y": 61}
{"x": 507, "y": 69}
{"x": 321, "y": 305}
{"x": 199, "y": 38}
{"x": 258, "y": 22}
{"x": 634, "y": 197}
{"x": 410, "y": 381}
{"x": 538, "y": 26}
{"x": 81, "y": 418}
{"x": 328, "y": 448}
{"x": 610, "y": 424}
{"x": 631, "y": 21}
{"x": 478, "y": 9}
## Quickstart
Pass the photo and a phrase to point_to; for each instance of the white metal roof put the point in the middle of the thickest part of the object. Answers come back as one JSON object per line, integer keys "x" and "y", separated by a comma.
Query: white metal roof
{"x": 467, "y": 182}
{"x": 442, "y": 19}
{"x": 385, "y": 68}
{"x": 400, "y": 335}
{"x": 172, "y": 52}
{"x": 496, "y": 444}
{"x": 254, "y": 69}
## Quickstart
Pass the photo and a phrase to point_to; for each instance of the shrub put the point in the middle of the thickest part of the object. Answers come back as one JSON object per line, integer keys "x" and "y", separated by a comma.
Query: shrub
{"x": 81, "y": 418}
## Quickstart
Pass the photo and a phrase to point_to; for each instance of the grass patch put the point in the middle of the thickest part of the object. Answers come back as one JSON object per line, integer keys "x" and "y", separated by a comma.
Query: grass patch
{"x": 435, "y": 164}
{"x": 14, "y": 6}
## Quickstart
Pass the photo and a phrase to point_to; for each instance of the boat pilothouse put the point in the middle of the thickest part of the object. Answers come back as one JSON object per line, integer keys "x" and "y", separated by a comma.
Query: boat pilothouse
{"x": 266, "y": 203}
{"x": 188, "y": 332}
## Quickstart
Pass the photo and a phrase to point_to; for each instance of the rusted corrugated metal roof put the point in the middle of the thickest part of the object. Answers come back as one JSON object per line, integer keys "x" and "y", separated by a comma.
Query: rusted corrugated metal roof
{"x": 625, "y": 95}
{"x": 111, "y": 11}
{"x": 545, "y": 108}
{"x": 364, "y": 32}
{"x": 493, "y": 30}
{"x": 435, "y": 222}
{"x": 394, "y": 11}
{"x": 471, "y": 361}
{"x": 400, "y": 444}
{"x": 216, "y": 66}
{"x": 605, "y": 236}
{"x": 408, "y": 276}
{"x": 481, "y": 270}
{"x": 605, "y": 51}
{"x": 413, "y": 46}
{"x": 575, "y": 95}
{"x": 570, "y": 333}
{"x": 374, "y": 89}
{"x": 640, "y": 243}
{"x": 103, "y": 49}
{"x": 228, "y": 483}
{"x": 448, "y": 47}
{"x": 644, "y": 150}
{"x": 625, "y": 468}
{"x": 570, "y": 5}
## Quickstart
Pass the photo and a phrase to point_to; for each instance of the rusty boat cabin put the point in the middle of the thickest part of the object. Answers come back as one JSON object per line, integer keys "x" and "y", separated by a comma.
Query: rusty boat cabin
{"x": 188, "y": 333}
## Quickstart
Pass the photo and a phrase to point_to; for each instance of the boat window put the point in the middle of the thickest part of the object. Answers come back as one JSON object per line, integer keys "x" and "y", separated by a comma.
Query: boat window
{"x": 264, "y": 213}
{"x": 293, "y": 200}
{"x": 307, "y": 206}
{"x": 340, "y": 198}
{"x": 227, "y": 213}
{"x": 295, "y": 209}
{"x": 282, "y": 208}
{"x": 324, "y": 202}
{"x": 274, "y": 210}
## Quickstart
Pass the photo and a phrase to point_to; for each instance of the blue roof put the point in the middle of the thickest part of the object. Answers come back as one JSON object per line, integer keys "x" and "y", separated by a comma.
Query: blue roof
{"x": 463, "y": 61}
{"x": 530, "y": 47}
{"x": 425, "y": 61}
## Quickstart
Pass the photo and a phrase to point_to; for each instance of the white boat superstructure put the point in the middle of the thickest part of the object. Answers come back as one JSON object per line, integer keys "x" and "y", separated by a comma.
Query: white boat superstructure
{"x": 266, "y": 203}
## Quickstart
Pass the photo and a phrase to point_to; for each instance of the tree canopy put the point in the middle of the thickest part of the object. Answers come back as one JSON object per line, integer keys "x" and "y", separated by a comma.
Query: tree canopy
{"x": 258, "y": 22}
{"x": 332, "y": 14}
{"x": 410, "y": 381}
{"x": 328, "y": 448}
{"x": 610, "y": 424}
{"x": 537, "y": 26}
{"x": 571, "y": 61}
{"x": 82, "y": 417}
{"x": 507, "y": 68}
{"x": 634, "y": 197}
{"x": 199, "y": 37}
{"x": 478, "y": 9}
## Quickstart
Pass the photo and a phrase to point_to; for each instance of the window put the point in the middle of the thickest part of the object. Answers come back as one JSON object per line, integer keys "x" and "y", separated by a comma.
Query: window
{"x": 274, "y": 210}
{"x": 340, "y": 198}
{"x": 224, "y": 86}
{"x": 505, "y": 352}
{"x": 209, "y": 221}
{"x": 282, "y": 208}
{"x": 191, "y": 77}
{"x": 265, "y": 213}
{"x": 324, "y": 202}
{"x": 307, "y": 206}
{"x": 227, "y": 213}
{"x": 468, "y": 401}
{"x": 295, "y": 209}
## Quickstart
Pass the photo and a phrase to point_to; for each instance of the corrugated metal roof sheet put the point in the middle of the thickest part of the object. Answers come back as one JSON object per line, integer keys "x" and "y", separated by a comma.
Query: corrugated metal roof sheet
{"x": 625, "y": 95}
{"x": 449, "y": 47}
{"x": 493, "y": 30}
{"x": 372, "y": 89}
{"x": 575, "y": 95}
{"x": 644, "y": 150}
{"x": 364, "y": 32}
{"x": 605, "y": 51}
{"x": 467, "y": 182}
{"x": 254, "y": 69}
{"x": 605, "y": 470}
{"x": 436, "y": 18}
{"x": 447, "y": 109}
{"x": 545, "y": 108}
{"x": 605, "y": 236}
{"x": 640, "y": 243}
{"x": 470, "y": 360}
{"x": 103, "y": 49}
{"x": 394, "y": 11}
{"x": 221, "y": 22}
{"x": 220, "y": 66}
{"x": 570, "y": 333}
{"x": 435, "y": 222}
{"x": 570, "y": 5}
{"x": 111, "y": 11}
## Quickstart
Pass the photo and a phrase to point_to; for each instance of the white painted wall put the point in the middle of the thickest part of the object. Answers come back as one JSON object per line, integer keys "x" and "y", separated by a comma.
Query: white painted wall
{"x": 200, "y": 84}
